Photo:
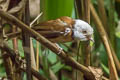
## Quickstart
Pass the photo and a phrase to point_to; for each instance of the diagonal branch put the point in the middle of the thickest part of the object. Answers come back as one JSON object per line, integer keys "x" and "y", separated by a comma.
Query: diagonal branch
{"x": 36, "y": 74}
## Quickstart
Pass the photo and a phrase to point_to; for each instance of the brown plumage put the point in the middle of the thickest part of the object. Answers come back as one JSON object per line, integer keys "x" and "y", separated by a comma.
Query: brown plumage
{"x": 54, "y": 30}
{"x": 65, "y": 29}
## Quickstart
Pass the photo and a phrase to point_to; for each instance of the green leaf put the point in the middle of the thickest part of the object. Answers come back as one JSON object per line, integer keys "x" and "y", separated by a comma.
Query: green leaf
{"x": 20, "y": 48}
{"x": 52, "y": 57}
{"x": 105, "y": 68}
{"x": 57, "y": 67}
{"x": 117, "y": 34}
{"x": 58, "y": 8}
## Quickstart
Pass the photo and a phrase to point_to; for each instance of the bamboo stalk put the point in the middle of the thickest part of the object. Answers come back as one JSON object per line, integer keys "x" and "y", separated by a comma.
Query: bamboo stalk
{"x": 104, "y": 20}
{"x": 117, "y": 0}
{"x": 17, "y": 76}
{"x": 104, "y": 37}
{"x": 87, "y": 47}
{"x": 102, "y": 14}
{"x": 37, "y": 55}
{"x": 84, "y": 13}
{"x": 33, "y": 63}
{"x": 26, "y": 42}
{"x": 15, "y": 40}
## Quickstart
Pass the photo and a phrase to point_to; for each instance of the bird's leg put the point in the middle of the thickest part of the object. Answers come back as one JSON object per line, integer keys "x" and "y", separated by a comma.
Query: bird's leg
{"x": 60, "y": 49}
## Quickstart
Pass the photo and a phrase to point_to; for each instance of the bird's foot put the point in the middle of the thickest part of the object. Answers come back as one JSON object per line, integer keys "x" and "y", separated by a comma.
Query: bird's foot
{"x": 60, "y": 49}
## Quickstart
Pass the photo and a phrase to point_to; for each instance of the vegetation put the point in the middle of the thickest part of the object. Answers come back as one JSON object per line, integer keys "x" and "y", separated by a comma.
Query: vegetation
{"x": 30, "y": 56}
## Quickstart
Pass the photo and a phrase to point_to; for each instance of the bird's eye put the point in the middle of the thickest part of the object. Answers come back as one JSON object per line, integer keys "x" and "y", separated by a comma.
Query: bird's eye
{"x": 84, "y": 31}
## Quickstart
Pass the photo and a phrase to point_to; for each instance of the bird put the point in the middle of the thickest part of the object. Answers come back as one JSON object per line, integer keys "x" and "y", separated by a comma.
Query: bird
{"x": 65, "y": 29}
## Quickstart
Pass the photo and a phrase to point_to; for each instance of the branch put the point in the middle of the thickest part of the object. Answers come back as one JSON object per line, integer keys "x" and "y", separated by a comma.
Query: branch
{"x": 69, "y": 60}
{"x": 13, "y": 35}
{"x": 35, "y": 73}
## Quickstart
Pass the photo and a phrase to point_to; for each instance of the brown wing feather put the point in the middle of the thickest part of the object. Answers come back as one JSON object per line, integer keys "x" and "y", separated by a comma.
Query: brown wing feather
{"x": 54, "y": 29}
{"x": 49, "y": 25}
{"x": 56, "y": 25}
{"x": 67, "y": 20}
{"x": 50, "y": 34}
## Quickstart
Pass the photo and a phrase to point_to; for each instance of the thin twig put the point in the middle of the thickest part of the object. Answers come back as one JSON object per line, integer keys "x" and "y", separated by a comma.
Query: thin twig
{"x": 35, "y": 19}
{"x": 13, "y": 35}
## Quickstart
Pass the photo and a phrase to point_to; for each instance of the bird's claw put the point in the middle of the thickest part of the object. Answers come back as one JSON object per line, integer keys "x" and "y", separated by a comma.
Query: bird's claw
{"x": 60, "y": 49}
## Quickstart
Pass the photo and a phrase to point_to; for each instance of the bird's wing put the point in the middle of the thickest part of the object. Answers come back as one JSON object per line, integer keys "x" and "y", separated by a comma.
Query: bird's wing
{"x": 67, "y": 20}
{"x": 53, "y": 29}
{"x": 55, "y": 25}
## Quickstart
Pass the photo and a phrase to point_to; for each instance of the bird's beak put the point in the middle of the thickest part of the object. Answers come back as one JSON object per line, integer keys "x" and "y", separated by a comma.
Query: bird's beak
{"x": 90, "y": 38}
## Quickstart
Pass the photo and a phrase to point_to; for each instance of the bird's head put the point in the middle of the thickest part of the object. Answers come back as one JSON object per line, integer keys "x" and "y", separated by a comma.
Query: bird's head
{"x": 82, "y": 31}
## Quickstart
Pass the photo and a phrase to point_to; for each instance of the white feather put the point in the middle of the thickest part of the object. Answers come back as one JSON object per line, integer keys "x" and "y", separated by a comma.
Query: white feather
{"x": 81, "y": 26}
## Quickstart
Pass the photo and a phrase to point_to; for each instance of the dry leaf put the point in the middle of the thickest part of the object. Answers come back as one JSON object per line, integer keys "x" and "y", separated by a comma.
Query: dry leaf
{"x": 17, "y": 8}
{"x": 4, "y": 4}
{"x": 97, "y": 72}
